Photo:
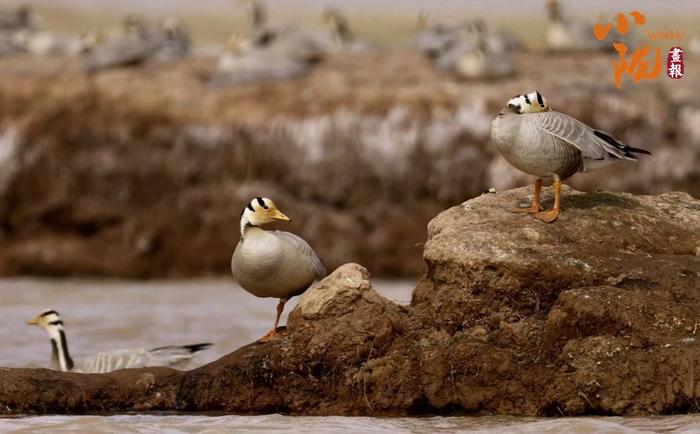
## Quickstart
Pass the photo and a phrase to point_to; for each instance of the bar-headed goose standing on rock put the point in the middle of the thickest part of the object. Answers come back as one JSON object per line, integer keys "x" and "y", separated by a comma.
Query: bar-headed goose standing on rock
{"x": 546, "y": 143}
{"x": 173, "y": 356}
{"x": 272, "y": 263}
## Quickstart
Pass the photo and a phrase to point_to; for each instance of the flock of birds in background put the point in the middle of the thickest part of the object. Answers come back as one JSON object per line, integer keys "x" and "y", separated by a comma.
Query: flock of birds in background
{"x": 269, "y": 52}
{"x": 527, "y": 132}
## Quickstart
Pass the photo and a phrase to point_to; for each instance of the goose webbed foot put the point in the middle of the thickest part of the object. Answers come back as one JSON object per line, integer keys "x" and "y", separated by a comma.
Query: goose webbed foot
{"x": 276, "y": 331}
{"x": 547, "y": 216}
{"x": 535, "y": 207}
{"x": 273, "y": 334}
{"x": 551, "y": 215}
{"x": 532, "y": 209}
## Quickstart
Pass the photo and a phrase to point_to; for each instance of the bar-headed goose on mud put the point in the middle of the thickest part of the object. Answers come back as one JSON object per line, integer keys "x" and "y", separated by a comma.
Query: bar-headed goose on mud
{"x": 173, "y": 356}
{"x": 545, "y": 143}
{"x": 272, "y": 263}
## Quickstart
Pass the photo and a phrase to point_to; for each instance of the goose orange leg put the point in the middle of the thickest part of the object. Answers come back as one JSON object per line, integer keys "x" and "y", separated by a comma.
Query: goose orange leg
{"x": 552, "y": 214}
{"x": 535, "y": 208}
{"x": 272, "y": 334}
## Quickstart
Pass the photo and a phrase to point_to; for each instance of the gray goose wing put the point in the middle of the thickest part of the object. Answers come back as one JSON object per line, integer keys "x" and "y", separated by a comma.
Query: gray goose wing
{"x": 138, "y": 358}
{"x": 593, "y": 144}
{"x": 111, "y": 361}
{"x": 301, "y": 246}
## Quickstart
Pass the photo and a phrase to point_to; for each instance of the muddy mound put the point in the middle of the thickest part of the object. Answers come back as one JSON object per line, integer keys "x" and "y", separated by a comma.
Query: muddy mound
{"x": 594, "y": 314}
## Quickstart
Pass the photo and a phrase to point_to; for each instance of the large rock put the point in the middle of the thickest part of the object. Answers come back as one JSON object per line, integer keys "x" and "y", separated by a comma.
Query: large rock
{"x": 143, "y": 172}
{"x": 572, "y": 317}
{"x": 596, "y": 313}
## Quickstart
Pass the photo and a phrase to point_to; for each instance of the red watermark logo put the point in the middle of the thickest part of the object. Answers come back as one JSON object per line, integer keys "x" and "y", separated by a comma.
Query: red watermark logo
{"x": 674, "y": 63}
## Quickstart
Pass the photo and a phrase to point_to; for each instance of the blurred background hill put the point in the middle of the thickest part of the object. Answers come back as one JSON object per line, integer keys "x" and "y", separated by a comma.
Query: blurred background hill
{"x": 141, "y": 169}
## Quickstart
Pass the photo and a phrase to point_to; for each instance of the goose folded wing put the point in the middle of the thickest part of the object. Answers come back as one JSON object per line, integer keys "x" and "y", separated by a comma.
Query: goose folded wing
{"x": 112, "y": 361}
{"x": 593, "y": 144}
{"x": 305, "y": 250}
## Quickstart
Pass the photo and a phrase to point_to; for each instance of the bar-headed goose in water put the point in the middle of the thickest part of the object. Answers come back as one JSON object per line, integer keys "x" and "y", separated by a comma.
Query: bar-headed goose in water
{"x": 174, "y": 356}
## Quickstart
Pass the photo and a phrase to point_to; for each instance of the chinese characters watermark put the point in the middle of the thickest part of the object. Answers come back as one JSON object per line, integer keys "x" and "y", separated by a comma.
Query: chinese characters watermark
{"x": 674, "y": 63}
{"x": 637, "y": 66}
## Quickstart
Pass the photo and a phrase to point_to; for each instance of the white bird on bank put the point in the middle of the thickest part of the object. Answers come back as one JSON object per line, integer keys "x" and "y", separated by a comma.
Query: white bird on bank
{"x": 136, "y": 41}
{"x": 548, "y": 144}
{"x": 272, "y": 263}
{"x": 467, "y": 49}
{"x": 243, "y": 63}
{"x": 497, "y": 41}
{"x": 565, "y": 34}
{"x": 481, "y": 62}
{"x": 441, "y": 42}
{"x": 173, "y": 356}
{"x": 342, "y": 36}
{"x": 271, "y": 53}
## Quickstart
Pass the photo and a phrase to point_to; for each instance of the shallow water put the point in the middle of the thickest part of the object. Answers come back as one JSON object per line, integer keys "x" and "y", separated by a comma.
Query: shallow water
{"x": 104, "y": 315}
{"x": 336, "y": 425}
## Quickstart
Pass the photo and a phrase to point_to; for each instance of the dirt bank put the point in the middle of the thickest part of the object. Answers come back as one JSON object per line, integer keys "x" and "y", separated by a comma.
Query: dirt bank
{"x": 594, "y": 314}
{"x": 144, "y": 172}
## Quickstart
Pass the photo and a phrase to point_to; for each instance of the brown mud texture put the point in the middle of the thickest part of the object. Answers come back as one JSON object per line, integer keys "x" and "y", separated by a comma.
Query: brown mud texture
{"x": 143, "y": 172}
{"x": 597, "y": 313}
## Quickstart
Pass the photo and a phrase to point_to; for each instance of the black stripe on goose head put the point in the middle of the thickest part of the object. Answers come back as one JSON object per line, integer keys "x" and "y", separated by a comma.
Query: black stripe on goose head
{"x": 540, "y": 101}
{"x": 49, "y": 312}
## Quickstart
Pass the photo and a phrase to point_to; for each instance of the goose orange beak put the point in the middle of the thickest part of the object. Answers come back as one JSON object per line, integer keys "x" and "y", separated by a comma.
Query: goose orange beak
{"x": 278, "y": 215}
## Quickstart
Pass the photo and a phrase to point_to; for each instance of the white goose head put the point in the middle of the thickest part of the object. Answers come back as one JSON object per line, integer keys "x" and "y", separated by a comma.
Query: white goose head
{"x": 52, "y": 322}
{"x": 259, "y": 211}
{"x": 532, "y": 102}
